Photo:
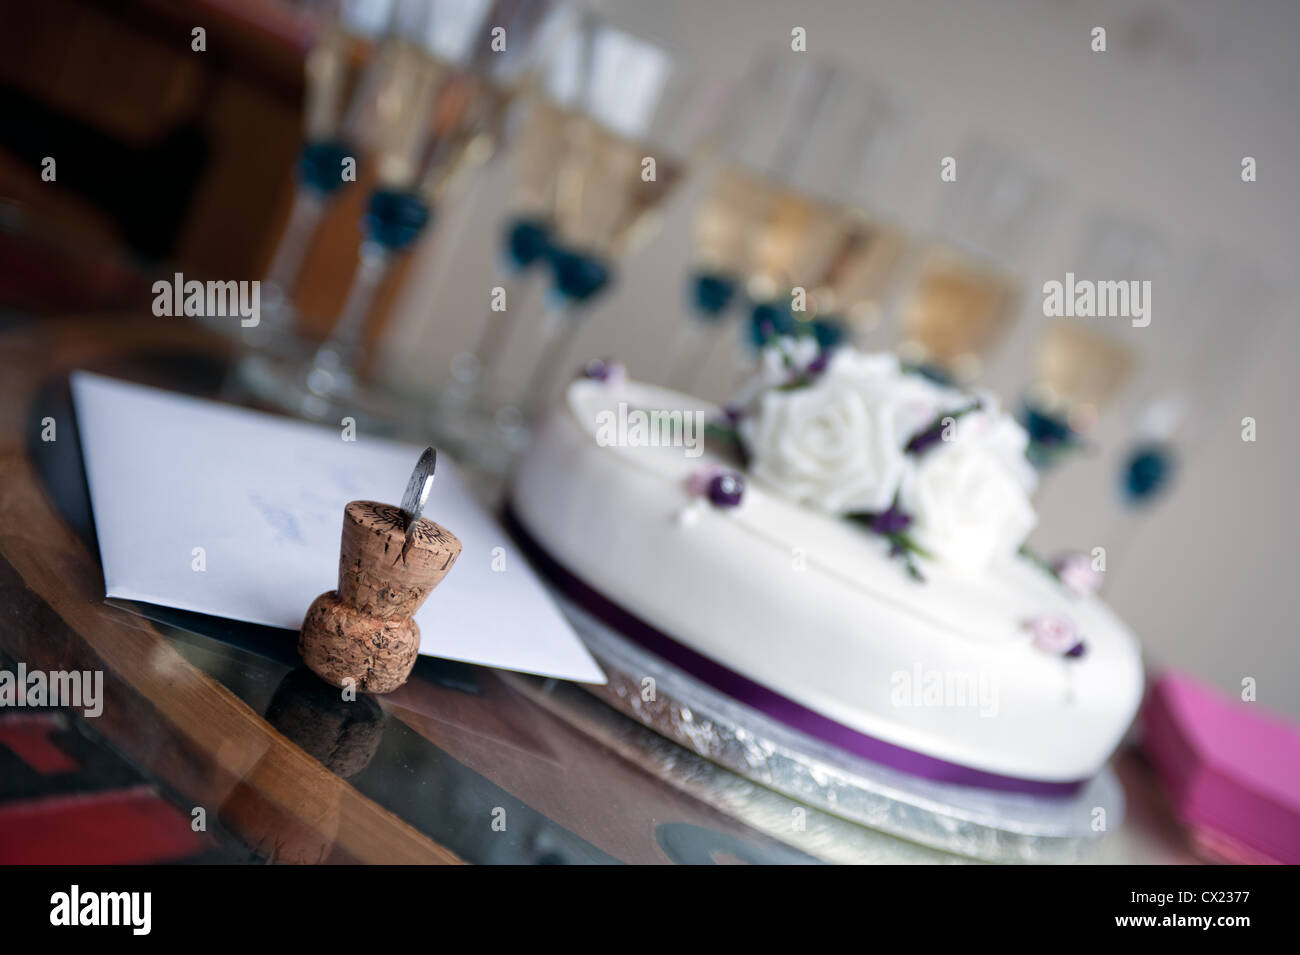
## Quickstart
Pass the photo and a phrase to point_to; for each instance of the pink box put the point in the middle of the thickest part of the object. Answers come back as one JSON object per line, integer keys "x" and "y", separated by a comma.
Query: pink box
{"x": 1232, "y": 769}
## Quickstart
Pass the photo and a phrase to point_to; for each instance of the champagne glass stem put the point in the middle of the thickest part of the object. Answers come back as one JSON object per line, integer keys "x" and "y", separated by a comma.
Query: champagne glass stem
{"x": 304, "y": 216}
{"x": 345, "y": 346}
{"x": 494, "y": 333}
{"x": 558, "y": 333}
{"x": 475, "y": 369}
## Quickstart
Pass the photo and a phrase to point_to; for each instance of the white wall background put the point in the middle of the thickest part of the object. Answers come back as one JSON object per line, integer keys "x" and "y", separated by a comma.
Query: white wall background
{"x": 1154, "y": 128}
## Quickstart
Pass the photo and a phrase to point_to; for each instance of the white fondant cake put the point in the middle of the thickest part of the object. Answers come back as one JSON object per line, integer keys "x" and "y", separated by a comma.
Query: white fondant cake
{"x": 814, "y": 607}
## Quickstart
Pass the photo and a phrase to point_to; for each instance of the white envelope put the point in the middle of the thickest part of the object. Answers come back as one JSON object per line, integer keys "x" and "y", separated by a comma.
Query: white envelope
{"x": 263, "y": 497}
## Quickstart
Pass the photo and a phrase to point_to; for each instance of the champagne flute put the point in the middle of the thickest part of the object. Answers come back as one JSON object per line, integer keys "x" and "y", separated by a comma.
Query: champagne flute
{"x": 433, "y": 112}
{"x": 772, "y": 122}
{"x": 857, "y": 278}
{"x": 392, "y": 116}
{"x": 1082, "y": 366}
{"x": 605, "y": 144}
{"x": 327, "y": 75}
{"x": 964, "y": 292}
{"x": 856, "y": 258}
{"x": 1226, "y": 307}
{"x": 794, "y": 222}
{"x": 1211, "y": 313}
{"x": 790, "y": 209}
{"x": 540, "y": 147}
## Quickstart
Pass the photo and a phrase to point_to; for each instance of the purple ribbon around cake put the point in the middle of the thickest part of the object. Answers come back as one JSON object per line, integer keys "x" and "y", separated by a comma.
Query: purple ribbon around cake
{"x": 766, "y": 701}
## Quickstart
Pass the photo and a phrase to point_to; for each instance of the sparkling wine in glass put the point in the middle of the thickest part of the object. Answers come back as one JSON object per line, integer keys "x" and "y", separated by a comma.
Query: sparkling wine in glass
{"x": 1081, "y": 366}
{"x": 857, "y": 278}
{"x": 787, "y": 224}
{"x": 965, "y": 291}
{"x": 604, "y": 144}
{"x": 602, "y": 206}
{"x": 431, "y": 110}
{"x": 328, "y": 75}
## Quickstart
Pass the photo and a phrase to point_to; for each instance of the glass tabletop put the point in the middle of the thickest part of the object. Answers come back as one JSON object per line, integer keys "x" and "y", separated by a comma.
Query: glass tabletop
{"x": 462, "y": 761}
{"x": 214, "y": 744}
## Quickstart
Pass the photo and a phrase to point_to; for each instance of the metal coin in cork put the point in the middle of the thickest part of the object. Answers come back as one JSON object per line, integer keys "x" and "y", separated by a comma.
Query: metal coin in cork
{"x": 390, "y": 559}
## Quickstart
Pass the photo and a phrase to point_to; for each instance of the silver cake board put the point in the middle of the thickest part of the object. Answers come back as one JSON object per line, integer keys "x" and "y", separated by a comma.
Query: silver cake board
{"x": 976, "y": 823}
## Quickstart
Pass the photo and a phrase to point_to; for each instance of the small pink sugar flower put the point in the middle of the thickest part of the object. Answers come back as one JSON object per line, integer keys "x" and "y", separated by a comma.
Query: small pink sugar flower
{"x": 1076, "y": 572}
{"x": 1053, "y": 633}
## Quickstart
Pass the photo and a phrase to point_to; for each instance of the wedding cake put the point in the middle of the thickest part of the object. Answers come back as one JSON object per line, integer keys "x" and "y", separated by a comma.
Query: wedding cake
{"x": 840, "y": 548}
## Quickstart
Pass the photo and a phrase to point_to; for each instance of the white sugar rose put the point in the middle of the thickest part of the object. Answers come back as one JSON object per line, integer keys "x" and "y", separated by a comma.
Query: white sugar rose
{"x": 838, "y": 443}
{"x": 969, "y": 497}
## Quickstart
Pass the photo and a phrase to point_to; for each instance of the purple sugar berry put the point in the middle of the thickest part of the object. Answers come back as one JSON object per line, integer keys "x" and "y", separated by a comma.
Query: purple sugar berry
{"x": 602, "y": 369}
{"x": 1076, "y": 651}
{"x": 726, "y": 489}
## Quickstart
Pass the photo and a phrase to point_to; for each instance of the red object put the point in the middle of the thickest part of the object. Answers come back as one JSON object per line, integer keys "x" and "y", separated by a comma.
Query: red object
{"x": 29, "y": 738}
{"x": 1232, "y": 770}
{"x": 121, "y": 826}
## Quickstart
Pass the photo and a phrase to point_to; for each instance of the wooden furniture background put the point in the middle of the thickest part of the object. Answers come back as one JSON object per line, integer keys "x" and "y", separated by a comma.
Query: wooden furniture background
{"x": 122, "y": 73}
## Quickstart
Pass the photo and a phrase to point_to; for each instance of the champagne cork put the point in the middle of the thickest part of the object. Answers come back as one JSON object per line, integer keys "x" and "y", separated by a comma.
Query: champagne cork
{"x": 364, "y": 630}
